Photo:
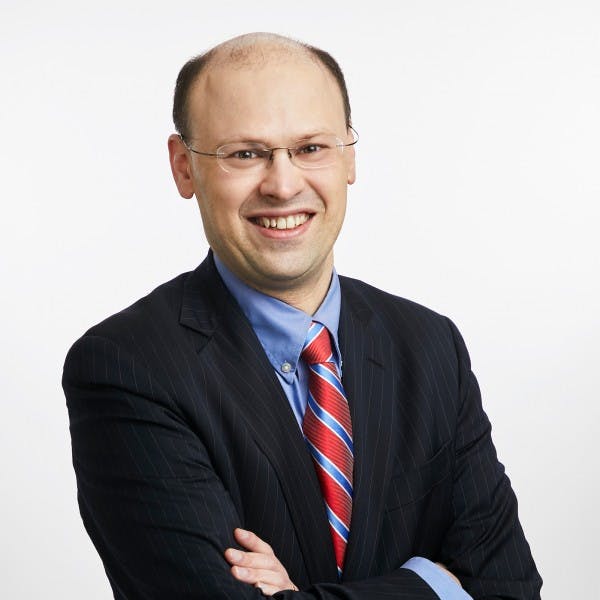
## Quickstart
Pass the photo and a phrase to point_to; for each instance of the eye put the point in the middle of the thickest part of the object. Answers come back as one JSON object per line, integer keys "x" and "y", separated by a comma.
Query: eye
{"x": 241, "y": 152}
{"x": 244, "y": 154}
{"x": 310, "y": 148}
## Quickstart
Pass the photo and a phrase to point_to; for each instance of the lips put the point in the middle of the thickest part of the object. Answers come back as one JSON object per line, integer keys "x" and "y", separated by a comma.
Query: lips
{"x": 287, "y": 222}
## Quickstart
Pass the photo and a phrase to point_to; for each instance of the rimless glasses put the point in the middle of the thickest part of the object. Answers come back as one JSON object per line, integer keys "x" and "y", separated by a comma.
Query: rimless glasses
{"x": 316, "y": 152}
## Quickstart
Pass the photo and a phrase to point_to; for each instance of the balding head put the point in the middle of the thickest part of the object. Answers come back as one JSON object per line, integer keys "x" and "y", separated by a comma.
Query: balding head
{"x": 249, "y": 51}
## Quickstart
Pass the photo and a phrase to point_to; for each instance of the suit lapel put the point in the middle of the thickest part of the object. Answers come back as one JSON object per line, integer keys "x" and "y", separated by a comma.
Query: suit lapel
{"x": 209, "y": 309}
{"x": 369, "y": 388}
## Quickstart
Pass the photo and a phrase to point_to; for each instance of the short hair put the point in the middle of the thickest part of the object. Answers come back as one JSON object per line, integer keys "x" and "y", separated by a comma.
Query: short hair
{"x": 242, "y": 47}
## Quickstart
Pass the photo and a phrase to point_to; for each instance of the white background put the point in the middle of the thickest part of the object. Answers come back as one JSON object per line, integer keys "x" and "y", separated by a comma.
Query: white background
{"x": 478, "y": 195}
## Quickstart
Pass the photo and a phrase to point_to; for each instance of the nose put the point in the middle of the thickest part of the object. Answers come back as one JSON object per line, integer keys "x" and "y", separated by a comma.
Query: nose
{"x": 282, "y": 180}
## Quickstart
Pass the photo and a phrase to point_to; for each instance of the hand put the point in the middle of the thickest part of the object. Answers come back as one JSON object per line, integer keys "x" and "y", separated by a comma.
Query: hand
{"x": 454, "y": 577}
{"x": 259, "y": 566}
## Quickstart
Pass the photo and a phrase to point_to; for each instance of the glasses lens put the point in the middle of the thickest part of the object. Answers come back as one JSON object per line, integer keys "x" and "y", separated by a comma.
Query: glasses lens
{"x": 317, "y": 152}
{"x": 242, "y": 156}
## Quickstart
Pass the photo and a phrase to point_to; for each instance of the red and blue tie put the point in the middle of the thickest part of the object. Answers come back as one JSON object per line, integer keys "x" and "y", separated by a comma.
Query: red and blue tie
{"x": 328, "y": 432}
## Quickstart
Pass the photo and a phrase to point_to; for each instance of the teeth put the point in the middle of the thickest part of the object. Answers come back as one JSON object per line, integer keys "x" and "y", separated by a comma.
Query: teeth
{"x": 288, "y": 222}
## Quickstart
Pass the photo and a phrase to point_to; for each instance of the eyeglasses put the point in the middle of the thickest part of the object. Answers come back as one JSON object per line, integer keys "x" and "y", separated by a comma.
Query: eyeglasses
{"x": 317, "y": 152}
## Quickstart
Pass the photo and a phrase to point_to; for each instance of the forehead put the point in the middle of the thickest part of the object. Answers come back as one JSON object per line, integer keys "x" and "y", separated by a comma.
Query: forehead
{"x": 287, "y": 96}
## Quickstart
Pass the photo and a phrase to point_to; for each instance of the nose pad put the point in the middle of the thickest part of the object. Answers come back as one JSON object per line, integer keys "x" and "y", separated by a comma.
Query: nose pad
{"x": 272, "y": 155}
{"x": 282, "y": 179}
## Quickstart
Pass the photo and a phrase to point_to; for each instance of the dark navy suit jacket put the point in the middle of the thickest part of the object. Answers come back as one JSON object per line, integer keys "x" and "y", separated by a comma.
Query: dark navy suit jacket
{"x": 181, "y": 432}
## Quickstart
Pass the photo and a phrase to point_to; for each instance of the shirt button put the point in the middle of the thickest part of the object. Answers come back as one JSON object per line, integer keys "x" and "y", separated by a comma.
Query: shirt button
{"x": 286, "y": 367}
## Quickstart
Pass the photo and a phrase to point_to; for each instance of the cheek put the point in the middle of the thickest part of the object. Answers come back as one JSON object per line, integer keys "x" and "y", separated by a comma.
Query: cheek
{"x": 223, "y": 199}
{"x": 331, "y": 186}
{"x": 333, "y": 193}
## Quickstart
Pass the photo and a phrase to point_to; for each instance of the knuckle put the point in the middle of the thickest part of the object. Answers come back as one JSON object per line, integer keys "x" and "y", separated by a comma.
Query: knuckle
{"x": 268, "y": 548}
{"x": 252, "y": 537}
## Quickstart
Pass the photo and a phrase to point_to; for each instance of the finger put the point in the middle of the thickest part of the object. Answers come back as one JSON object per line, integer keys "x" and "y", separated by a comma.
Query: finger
{"x": 252, "y": 559}
{"x": 251, "y": 541}
{"x": 267, "y": 589}
{"x": 253, "y": 576}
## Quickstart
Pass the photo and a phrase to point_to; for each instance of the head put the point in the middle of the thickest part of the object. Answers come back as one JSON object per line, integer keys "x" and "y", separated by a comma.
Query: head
{"x": 274, "y": 91}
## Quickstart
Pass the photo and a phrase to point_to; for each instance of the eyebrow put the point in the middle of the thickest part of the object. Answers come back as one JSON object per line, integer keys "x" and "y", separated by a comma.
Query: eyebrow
{"x": 252, "y": 140}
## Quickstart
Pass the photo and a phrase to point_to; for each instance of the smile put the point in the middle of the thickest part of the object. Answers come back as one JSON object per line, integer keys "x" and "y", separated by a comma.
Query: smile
{"x": 289, "y": 222}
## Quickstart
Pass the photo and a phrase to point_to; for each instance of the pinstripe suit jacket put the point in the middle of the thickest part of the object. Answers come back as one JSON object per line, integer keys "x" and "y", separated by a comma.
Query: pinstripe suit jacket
{"x": 181, "y": 432}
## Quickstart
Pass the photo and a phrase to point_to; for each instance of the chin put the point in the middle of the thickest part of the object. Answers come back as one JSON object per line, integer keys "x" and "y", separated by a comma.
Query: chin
{"x": 283, "y": 278}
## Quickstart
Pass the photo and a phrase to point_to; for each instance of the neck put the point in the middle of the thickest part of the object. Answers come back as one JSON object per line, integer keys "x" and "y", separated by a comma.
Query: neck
{"x": 305, "y": 294}
{"x": 306, "y": 299}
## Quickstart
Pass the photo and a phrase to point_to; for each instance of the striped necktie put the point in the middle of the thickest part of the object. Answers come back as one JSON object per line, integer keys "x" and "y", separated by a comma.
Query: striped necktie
{"x": 328, "y": 432}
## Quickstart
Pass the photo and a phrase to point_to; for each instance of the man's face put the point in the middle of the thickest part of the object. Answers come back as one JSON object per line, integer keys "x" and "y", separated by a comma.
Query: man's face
{"x": 277, "y": 103}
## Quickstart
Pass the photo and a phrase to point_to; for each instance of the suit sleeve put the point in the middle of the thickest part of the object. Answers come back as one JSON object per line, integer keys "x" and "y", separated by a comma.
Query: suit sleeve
{"x": 156, "y": 511}
{"x": 484, "y": 546}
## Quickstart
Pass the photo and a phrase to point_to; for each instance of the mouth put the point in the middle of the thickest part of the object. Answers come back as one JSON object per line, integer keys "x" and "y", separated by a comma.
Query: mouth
{"x": 287, "y": 222}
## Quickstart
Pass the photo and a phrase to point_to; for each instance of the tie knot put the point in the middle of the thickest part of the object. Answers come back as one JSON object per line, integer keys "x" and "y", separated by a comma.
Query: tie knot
{"x": 317, "y": 346}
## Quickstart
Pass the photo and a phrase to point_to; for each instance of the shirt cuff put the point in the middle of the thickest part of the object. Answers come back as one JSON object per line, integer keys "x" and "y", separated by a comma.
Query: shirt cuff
{"x": 443, "y": 585}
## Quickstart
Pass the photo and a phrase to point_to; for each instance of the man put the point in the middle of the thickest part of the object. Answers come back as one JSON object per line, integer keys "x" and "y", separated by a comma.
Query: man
{"x": 261, "y": 426}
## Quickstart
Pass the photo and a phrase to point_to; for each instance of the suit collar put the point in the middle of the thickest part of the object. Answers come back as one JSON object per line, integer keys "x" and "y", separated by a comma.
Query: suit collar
{"x": 203, "y": 298}
{"x": 209, "y": 309}
{"x": 369, "y": 384}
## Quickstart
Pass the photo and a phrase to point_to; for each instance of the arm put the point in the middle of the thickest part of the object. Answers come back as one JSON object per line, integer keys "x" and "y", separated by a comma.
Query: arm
{"x": 484, "y": 545}
{"x": 158, "y": 513}
{"x": 259, "y": 566}
{"x": 149, "y": 498}
{"x": 155, "y": 509}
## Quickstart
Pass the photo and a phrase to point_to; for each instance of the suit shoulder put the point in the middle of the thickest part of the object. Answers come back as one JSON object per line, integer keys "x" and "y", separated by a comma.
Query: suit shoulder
{"x": 133, "y": 336}
{"x": 381, "y": 302}
{"x": 410, "y": 327}
{"x": 157, "y": 310}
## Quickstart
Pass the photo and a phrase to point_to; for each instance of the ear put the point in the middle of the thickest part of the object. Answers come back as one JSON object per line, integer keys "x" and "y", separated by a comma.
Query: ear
{"x": 350, "y": 164}
{"x": 179, "y": 157}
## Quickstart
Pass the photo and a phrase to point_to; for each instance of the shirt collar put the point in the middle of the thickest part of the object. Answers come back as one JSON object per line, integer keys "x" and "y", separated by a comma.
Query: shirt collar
{"x": 281, "y": 328}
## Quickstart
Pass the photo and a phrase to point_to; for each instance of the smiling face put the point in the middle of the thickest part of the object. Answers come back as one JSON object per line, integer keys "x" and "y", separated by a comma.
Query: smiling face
{"x": 274, "y": 228}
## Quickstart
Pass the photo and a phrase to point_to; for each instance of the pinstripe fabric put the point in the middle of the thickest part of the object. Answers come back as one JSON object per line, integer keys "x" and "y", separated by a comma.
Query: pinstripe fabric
{"x": 180, "y": 433}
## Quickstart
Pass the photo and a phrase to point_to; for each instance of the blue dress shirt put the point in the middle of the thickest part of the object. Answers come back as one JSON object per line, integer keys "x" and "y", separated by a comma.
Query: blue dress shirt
{"x": 281, "y": 330}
